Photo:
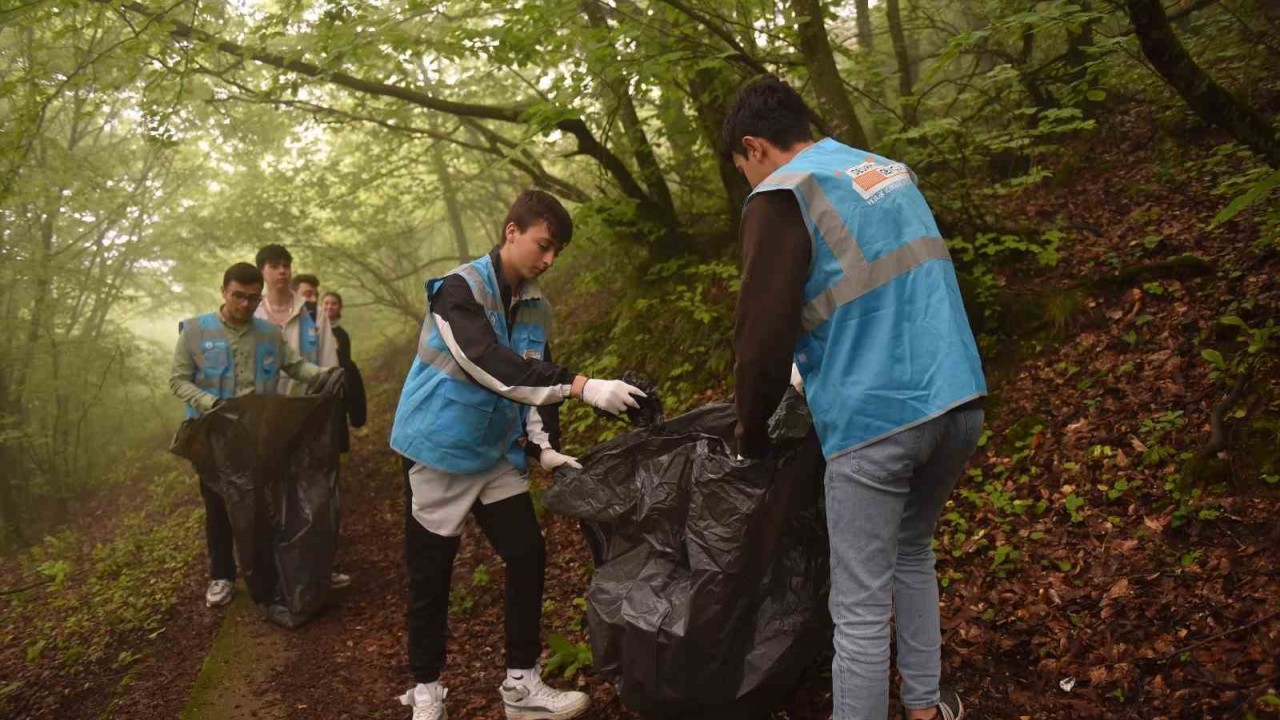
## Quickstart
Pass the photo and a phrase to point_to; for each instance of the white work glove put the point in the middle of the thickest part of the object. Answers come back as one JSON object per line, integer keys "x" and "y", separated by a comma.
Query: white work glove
{"x": 550, "y": 460}
{"x": 797, "y": 381}
{"x": 611, "y": 396}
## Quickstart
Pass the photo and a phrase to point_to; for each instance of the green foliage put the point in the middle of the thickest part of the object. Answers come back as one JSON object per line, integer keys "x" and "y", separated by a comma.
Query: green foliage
{"x": 566, "y": 655}
{"x": 1074, "y": 505}
{"x": 673, "y": 326}
{"x": 121, "y": 589}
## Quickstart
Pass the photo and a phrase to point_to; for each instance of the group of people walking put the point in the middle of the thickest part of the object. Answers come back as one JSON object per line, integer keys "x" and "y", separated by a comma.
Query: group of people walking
{"x": 846, "y": 282}
{"x": 269, "y": 337}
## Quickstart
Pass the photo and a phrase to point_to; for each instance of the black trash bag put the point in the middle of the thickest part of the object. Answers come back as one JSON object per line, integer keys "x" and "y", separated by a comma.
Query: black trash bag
{"x": 648, "y": 410}
{"x": 274, "y": 462}
{"x": 709, "y": 598}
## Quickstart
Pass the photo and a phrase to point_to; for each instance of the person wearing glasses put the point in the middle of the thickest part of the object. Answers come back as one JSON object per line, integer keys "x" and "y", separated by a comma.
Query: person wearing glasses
{"x": 222, "y": 355}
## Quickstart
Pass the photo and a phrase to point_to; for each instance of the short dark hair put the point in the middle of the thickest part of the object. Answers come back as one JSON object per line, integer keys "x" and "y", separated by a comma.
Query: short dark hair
{"x": 307, "y": 278}
{"x": 769, "y": 109}
{"x": 332, "y": 293}
{"x": 272, "y": 254}
{"x": 243, "y": 273}
{"x": 533, "y": 206}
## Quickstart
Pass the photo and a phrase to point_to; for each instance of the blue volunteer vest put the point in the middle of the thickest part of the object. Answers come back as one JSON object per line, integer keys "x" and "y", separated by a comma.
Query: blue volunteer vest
{"x": 215, "y": 371}
{"x": 445, "y": 420}
{"x": 308, "y": 337}
{"x": 885, "y": 342}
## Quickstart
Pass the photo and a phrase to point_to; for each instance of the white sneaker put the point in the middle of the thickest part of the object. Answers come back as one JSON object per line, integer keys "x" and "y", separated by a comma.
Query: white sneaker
{"x": 427, "y": 705}
{"x": 338, "y": 580}
{"x": 530, "y": 699}
{"x": 219, "y": 593}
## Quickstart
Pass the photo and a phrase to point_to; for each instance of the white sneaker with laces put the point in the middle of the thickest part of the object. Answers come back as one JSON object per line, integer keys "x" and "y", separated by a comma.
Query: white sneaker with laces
{"x": 219, "y": 593}
{"x": 426, "y": 705}
{"x": 531, "y": 699}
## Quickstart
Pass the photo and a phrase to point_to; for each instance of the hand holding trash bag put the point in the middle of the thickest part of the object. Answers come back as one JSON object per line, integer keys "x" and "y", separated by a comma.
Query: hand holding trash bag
{"x": 648, "y": 408}
{"x": 550, "y": 460}
{"x": 611, "y": 396}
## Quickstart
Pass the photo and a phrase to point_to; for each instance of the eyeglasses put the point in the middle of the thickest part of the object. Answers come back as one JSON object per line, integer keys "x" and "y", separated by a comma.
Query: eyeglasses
{"x": 251, "y": 298}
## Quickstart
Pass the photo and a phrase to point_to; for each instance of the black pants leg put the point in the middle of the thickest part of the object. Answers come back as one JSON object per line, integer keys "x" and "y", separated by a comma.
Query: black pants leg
{"x": 429, "y": 558}
{"x": 512, "y": 529}
{"x": 217, "y": 536}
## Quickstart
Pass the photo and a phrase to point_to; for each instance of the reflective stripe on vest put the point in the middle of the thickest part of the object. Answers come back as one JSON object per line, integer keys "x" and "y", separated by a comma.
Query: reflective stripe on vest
{"x": 860, "y": 276}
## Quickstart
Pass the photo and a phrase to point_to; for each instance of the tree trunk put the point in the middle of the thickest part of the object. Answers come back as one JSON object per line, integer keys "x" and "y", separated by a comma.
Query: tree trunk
{"x": 906, "y": 83}
{"x": 637, "y": 138}
{"x": 863, "y": 9}
{"x": 11, "y": 534}
{"x": 816, "y": 47}
{"x": 1077, "y": 60}
{"x": 1209, "y": 100}
{"x": 441, "y": 169}
{"x": 710, "y": 96}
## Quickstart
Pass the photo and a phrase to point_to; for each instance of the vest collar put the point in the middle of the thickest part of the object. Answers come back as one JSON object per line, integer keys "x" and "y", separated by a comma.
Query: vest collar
{"x": 782, "y": 168}
{"x": 529, "y": 289}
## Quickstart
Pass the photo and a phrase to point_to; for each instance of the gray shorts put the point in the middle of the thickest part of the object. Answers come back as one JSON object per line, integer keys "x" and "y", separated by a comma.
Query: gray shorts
{"x": 441, "y": 500}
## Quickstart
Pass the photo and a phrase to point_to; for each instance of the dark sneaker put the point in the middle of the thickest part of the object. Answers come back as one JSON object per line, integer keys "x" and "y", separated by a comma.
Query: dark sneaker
{"x": 949, "y": 706}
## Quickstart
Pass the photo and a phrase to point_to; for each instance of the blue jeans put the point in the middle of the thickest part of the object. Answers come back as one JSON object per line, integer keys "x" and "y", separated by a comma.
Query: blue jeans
{"x": 883, "y": 501}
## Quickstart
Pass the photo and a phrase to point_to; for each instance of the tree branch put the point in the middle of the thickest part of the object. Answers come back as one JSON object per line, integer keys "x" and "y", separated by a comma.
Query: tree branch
{"x": 587, "y": 144}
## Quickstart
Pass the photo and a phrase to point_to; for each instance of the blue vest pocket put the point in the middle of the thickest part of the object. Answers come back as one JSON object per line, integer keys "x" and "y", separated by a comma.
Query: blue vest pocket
{"x": 216, "y": 358}
{"x": 530, "y": 341}
{"x": 465, "y": 412}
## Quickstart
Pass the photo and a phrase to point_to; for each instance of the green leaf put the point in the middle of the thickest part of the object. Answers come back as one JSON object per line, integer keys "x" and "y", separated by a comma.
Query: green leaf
{"x": 1214, "y": 358}
{"x": 1096, "y": 95}
{"x": 1233, "y": 320}
{"x": 1255, "y": 193}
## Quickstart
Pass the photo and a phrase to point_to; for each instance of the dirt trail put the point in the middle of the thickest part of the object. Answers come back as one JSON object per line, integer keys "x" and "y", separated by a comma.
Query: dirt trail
{"x": 233, "y": 683}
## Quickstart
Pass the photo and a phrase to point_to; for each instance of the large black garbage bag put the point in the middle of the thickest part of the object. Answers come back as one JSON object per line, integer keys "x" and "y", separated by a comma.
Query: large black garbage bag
{"x": 709, "y": 598}
{"x": 274, "y": 460}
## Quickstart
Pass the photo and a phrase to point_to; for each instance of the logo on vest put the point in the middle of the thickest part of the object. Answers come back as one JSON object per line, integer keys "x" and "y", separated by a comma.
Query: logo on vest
{"x": 269, "y": 362}
{"x": 208, "y": 344}
{"x": 874, "y": 181}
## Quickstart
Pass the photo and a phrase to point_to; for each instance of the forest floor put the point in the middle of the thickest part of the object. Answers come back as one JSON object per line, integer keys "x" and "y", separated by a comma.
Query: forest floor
{"x": 1082, "y": 579}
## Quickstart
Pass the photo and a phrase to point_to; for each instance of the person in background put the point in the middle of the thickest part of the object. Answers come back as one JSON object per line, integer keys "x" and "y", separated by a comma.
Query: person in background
{"x": 281, "y": 306}
{"x": 845, "y": 273}
{"x": 331, "y": 306}
{"x": 306, "y": 285}
{"x": 481, "y": 399}
{"x": 221, "y": 355}
{"x": 306, "y": 332}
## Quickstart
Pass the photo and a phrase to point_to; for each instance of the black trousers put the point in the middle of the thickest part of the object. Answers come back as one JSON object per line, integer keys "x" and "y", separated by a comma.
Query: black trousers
{"x": 512, "y": 530}
{"x": 217, "y": 536}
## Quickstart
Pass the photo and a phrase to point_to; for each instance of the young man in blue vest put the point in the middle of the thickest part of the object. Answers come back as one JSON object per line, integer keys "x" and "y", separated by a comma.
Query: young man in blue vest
{"x": 480, "y": 399}
{"x": 845, "y": 273}
{"x": 222, "y": 355}
{"x": 306, "y": 333}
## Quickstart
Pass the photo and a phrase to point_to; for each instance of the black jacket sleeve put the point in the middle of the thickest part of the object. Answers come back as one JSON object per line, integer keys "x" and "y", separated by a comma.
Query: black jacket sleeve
{"x": 470, "y": 337}
{"x": 776, "y": 252}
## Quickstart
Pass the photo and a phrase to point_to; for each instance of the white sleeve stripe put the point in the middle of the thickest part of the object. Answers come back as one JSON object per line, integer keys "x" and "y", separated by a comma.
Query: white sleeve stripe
{"x": 533, "y": 428}
{"x": 525, "y": 395}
